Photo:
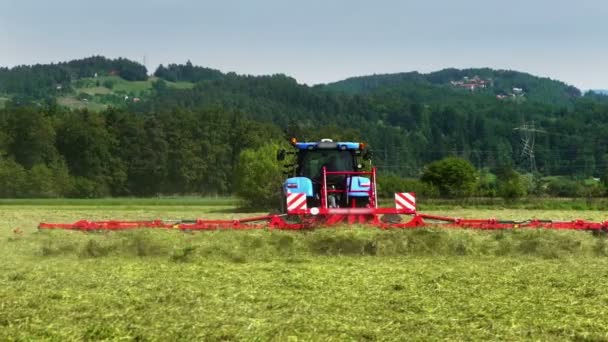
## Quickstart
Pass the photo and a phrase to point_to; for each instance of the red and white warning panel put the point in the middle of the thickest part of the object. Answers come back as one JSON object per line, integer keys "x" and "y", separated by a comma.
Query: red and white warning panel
{"x": 296, "y": 202}
{"x": 405, "y": 200}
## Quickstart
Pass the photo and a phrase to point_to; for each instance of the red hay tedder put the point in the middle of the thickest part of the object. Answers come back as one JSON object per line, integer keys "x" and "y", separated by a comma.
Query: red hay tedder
{"x": 327, "y": 187}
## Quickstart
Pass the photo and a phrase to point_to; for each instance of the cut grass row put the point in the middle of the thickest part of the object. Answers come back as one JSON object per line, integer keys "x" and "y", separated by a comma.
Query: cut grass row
{"x": 265, "y": 245}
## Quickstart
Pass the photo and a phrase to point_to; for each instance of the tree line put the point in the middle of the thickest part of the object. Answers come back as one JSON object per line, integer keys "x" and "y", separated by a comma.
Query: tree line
{"x": 57, "y": 152}
{"x": 178, "y": 141}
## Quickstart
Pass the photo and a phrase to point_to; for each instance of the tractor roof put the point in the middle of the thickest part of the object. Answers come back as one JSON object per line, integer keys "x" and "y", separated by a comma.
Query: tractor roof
{"x": 328, "y": 145}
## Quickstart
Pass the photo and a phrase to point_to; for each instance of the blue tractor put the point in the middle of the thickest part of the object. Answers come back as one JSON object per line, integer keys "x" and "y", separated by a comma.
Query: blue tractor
{"x": 329, "y": 173}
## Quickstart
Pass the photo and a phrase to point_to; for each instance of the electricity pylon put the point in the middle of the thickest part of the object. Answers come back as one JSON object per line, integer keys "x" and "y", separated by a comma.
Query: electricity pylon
{"x": 528, "y": 138}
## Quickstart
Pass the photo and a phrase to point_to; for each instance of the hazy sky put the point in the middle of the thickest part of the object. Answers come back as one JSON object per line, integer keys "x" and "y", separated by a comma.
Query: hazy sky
{"x": 318, "y": 41}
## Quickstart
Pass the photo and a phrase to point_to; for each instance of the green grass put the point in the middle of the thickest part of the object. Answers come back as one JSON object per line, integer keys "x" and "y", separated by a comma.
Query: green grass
{"x": 139, "y": 88}
{"x": 180, "y": 85}
{"x": 529, "y": 203}
{"x": 328, "y": 284}
{"x": 136, "y": 87}
{"x": 95, "y": 91}
{"x": 3, "y": 101}
{"x": 125, "y": 201}
{"x": 74, "y": 103}
{"x": 96, "y": 88}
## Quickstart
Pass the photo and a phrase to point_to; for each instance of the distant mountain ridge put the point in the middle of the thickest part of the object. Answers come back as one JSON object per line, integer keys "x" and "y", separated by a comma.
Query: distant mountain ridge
{"x": 39, "y": 81}
{"x": 500, "y": 83}
{"x": 599, "y": 91}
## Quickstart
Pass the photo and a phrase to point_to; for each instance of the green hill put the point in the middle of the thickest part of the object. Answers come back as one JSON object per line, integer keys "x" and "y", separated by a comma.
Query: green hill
{"x": 501, "y": 83}
{"x": 94, "y": 83}
{"x": 98, "y": 82}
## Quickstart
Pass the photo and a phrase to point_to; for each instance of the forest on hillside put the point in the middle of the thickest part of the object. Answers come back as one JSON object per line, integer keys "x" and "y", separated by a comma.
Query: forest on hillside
{"x": 189, "y": 140}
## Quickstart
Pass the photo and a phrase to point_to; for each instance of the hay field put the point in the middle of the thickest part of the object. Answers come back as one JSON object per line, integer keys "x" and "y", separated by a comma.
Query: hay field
{"x": 347, "y": 284}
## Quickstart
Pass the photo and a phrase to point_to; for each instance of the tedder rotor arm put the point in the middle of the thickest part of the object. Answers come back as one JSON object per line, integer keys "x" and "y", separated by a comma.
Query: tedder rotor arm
{"x": 330, "y": 218}
{"x": 300, "y": 217}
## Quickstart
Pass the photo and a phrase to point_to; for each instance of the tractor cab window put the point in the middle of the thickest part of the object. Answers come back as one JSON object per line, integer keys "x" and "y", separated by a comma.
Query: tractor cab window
{"x": 312, "y": 162}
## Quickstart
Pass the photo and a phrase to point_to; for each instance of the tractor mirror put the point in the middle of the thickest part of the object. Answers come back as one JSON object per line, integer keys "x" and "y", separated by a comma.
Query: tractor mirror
{"x": 281, "y": 155}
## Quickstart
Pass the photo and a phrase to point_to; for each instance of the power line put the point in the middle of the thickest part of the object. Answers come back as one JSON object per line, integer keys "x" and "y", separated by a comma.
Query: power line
{"x": 572, "y": 166}
{"x": 399, "y": 150}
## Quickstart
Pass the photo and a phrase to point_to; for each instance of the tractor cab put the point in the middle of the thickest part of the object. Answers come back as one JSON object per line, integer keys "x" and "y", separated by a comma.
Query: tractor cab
{"x": 329, "y": 173}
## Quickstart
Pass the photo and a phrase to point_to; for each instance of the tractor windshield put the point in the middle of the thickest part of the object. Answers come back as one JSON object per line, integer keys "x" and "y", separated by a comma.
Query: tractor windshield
{"x": 312, "y": 162}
